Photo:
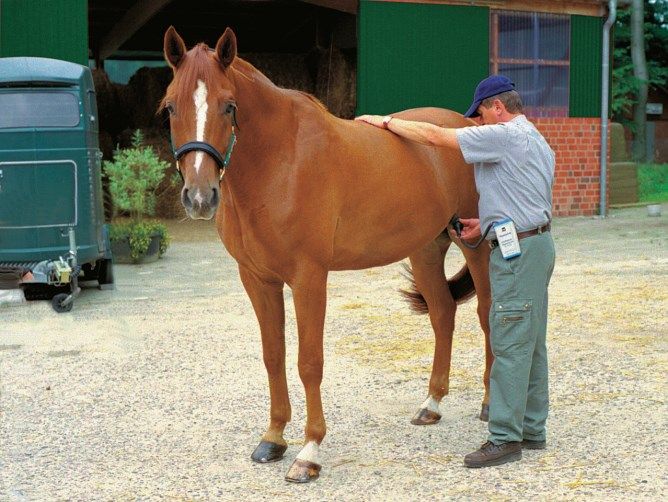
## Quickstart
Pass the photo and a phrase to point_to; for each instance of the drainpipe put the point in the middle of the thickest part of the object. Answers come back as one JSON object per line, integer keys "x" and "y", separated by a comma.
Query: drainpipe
{"x": 605, "y": 87}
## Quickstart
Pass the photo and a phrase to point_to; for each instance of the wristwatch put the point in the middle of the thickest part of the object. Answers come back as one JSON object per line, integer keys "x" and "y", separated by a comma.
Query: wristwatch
{"x": 386, "y": 121}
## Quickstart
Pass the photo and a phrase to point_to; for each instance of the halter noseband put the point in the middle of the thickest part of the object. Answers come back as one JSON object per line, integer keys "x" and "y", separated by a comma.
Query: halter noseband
{"x": 201, "y": 146}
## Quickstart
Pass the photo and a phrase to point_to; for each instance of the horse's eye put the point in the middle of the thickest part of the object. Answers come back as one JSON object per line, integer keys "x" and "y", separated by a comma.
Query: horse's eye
{"x": 230, "y": 108}
{"x": 170, "y": 108}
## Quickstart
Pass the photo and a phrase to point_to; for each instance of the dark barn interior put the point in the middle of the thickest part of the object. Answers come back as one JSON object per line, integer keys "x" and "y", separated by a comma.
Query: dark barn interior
{"x": 310, "y": 46}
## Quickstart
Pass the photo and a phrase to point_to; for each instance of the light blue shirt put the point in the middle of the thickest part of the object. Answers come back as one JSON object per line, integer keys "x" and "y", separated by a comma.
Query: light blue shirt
{"x": 514, "y": 172}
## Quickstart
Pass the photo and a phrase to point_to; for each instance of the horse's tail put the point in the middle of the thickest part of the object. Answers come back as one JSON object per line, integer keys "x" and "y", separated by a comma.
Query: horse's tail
{"x": 461, "y": 287}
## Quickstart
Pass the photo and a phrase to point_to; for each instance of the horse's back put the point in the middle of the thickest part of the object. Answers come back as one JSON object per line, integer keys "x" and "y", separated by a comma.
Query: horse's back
{"x": 441, "y": 117}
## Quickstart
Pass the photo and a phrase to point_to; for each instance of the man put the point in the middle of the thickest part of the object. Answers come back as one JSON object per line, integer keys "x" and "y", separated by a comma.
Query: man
{"x": 514, "y": 171}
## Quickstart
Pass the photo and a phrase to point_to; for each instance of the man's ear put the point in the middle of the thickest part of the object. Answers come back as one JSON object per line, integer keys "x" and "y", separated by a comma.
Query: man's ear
{"x": 174, "y": 48}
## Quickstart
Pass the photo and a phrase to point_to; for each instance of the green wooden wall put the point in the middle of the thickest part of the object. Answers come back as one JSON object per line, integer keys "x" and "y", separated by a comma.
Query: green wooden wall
{"x": 585, "y": 70}
{"x": 412, "y": 55}
{"x": 48, "y": 28}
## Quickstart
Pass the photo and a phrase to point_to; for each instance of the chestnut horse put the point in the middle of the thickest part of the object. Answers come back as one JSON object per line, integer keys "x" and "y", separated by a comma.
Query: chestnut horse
{"x": 303, "y": 193}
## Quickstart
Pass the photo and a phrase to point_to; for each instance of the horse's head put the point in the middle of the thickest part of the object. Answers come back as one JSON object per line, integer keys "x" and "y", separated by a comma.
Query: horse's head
{"x": 201, "y": 104}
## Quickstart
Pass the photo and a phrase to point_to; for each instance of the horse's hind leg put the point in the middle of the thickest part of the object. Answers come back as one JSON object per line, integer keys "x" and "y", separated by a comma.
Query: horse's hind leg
{"x": 427, "y": 266}
{"x": 267, "y": 300}
{"x": 478, "y": 263}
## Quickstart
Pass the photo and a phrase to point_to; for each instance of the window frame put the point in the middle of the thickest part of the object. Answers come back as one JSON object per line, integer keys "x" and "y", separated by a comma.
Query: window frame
{"x": 495, "y": 61}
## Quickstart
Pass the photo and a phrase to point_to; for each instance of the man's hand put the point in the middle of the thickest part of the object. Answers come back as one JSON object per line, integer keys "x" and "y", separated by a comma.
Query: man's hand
{"x": 375, "y": 120}
{"x": 470, "y": 228}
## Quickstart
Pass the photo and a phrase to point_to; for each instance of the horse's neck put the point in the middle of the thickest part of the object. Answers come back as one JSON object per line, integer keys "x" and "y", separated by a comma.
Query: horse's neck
{"x": 259, "y": 100}
{"x": 264, "y": 137}
{"x": 269, "y": 142}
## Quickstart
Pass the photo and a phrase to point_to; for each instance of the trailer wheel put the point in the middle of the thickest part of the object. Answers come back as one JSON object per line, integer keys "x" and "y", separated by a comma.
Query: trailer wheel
{"x": 57, "y": 303}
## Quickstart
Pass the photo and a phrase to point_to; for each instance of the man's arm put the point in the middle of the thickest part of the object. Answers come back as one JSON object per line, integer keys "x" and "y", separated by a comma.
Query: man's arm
{"x": 422, "y": 132}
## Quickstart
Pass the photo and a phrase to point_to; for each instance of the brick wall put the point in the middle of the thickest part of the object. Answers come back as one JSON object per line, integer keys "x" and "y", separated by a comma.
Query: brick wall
{"x": 576, "y": 143}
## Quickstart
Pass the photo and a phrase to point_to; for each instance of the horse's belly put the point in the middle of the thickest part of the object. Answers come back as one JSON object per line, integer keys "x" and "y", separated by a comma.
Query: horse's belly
{"x": 370, "y": 243}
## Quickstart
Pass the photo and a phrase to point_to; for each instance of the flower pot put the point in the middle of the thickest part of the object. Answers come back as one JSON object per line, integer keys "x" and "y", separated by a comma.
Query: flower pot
{"x": 120, "y": 250}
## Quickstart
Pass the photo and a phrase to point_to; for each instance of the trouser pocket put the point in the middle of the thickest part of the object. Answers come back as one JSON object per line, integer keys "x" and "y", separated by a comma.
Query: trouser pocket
{"x": 511, "y": 327}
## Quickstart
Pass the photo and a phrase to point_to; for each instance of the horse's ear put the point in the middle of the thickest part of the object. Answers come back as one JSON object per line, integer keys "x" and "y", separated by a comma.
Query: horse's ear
{"x": 226, "y": 48}
{"x": 174, "y": 47}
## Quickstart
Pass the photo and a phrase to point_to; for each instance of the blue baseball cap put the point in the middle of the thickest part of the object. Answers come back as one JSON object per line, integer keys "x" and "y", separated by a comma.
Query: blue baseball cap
{"x": 491, "y": 86}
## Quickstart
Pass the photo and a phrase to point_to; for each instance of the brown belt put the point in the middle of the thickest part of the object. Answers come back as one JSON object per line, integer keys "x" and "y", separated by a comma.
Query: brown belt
{"x": 521, "y": 235}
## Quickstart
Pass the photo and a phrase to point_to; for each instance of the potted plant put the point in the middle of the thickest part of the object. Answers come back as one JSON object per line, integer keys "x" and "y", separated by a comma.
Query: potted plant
{"x": 134, "y": 176}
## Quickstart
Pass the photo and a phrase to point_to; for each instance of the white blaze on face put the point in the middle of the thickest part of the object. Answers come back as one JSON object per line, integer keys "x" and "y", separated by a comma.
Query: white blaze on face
{"x": 310, "y": 453}
{"x": 201, "y": 108}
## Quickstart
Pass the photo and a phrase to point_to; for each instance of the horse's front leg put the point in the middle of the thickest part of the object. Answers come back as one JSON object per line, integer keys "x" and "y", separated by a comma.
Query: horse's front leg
{"x": 427, "y": 266}
{"x": 310, "y": 297}
{"x": 267, "y": 300}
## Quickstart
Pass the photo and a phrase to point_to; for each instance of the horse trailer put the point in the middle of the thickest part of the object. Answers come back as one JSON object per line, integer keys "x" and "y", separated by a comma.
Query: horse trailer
{"x": 52, "y": 229}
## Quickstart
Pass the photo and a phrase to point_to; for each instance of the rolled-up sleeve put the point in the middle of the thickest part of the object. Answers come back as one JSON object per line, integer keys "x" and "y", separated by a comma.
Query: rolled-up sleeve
{"x": 486, "y": 143}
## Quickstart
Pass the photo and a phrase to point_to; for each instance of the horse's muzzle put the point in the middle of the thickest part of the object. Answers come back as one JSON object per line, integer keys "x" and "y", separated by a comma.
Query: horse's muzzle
{"x": 200, "y": 204}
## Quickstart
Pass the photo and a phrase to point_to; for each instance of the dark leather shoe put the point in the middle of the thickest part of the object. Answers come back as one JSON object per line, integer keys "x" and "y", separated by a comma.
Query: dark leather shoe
{"x": 530, "y": 444}
{"x": 491, "y": 454}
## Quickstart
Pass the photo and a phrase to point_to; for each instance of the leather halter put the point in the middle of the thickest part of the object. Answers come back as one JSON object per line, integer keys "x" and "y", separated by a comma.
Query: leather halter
{"x": 203, "y": 146}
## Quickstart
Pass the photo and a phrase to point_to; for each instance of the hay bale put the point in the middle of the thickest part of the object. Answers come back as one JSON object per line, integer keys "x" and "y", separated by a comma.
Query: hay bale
{"x": 107, "y": 145}
{"x": 336, "y": 83}
{"x": 618, "y": 150}
{"x": 623, "y": 183}
{"x": 111, "y": 115}
{"x": 291, "y": 71}
{"x": 168, "y": 203}
{"x": 142, "y": 96}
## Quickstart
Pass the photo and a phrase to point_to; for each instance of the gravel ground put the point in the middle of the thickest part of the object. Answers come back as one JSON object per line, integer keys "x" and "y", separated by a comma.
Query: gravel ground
{"x": 157, "y": 390}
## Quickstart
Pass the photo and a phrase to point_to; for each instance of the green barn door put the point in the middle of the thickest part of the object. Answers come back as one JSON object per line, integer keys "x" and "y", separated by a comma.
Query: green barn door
{"x": 413, "y": 55}
{"x": 586, "y": 54}
{"x": 46, "y": 28}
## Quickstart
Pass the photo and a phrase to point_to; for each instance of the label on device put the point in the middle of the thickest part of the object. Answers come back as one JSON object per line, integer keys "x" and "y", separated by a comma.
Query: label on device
{"x": 506, "y": 235}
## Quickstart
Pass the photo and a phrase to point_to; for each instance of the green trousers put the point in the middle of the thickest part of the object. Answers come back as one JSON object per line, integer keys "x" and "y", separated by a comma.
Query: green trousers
{"x": 518, "y": 318}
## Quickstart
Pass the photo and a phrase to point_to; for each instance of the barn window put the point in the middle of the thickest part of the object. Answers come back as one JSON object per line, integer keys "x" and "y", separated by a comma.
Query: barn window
{"x": 533, "y": 50}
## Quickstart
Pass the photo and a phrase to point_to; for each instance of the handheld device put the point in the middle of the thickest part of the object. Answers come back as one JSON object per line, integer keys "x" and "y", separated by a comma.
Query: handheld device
{"x": 506, "y": 235}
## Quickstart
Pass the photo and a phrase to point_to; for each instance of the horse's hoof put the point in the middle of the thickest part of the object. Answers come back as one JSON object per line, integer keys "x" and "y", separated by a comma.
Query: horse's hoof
{"x": 425, "y": 417}
{"x": 267, "y": 451}
{"x": 303, "y": 471}
{"x": 484, "y": 413}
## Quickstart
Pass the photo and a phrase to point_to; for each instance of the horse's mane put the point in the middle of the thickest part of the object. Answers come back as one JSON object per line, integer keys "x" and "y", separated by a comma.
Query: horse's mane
{"x": 315, "y": 101}
{"x": 251, "y": 73}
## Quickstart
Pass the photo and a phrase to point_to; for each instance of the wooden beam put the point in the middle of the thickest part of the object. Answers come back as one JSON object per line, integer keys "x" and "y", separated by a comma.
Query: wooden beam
{"x": 349, "y": 6}
{"x": 129, "y": 24}
{"x": 582, "y": 7}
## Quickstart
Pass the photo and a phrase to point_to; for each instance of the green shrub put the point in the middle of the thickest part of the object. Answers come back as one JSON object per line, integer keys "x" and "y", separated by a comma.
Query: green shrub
{"x": 134, "y": 176}
{"x": 653, "y": 182}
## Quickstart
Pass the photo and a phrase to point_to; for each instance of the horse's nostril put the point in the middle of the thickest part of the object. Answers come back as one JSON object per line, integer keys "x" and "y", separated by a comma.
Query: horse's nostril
{"x": 185, "y": 198}
{"x": 214, "y": 198}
